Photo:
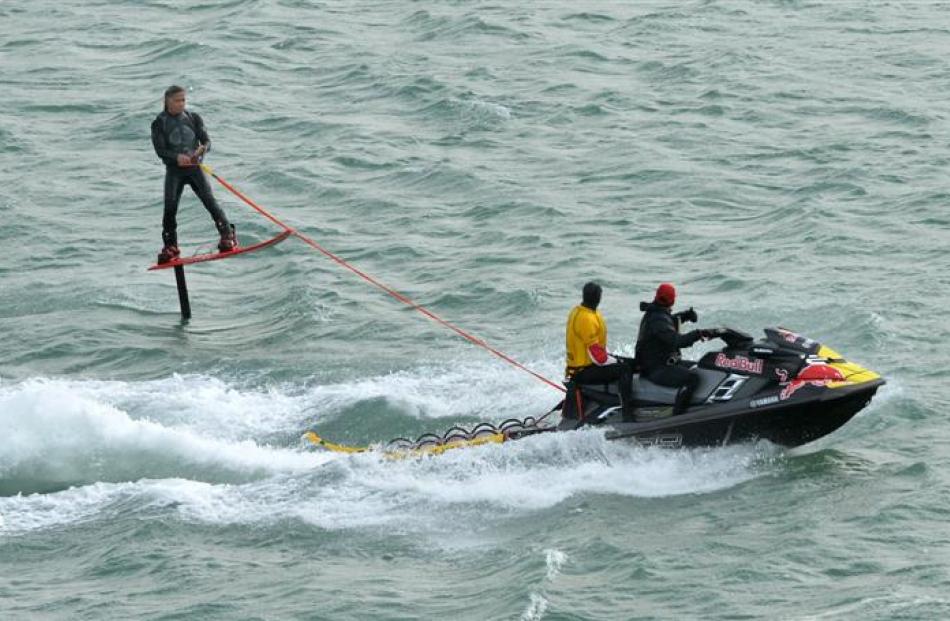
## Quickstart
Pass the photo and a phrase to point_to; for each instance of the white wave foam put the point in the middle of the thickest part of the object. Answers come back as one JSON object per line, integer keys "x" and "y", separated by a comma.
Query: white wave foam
{"x": 467, "y": 487}
{"x": 543, "y": 471}
{"x": 481, "y": 112}
{"x": 205, "y": 405}
{"x": 56, "y": 436}
{"x": 211, "y": 406}
{"x": 451, "y": 493}
{"x": 42, "y": 511}
{"x": 554, "y": 559}
{"x": 535, "y": 609}
{"x": 480, "y": 389}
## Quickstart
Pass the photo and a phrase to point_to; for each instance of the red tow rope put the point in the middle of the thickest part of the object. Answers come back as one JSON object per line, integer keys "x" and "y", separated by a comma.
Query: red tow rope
{"x": 392, "y": 292}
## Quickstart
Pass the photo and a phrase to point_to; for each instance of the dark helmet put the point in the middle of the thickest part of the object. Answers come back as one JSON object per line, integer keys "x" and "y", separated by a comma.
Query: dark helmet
{"x": 592, "y": 293}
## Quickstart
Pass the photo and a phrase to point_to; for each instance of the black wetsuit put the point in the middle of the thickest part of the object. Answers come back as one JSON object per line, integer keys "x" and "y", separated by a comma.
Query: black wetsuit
{"x": 658, "y": 353}
{"x": 171, "y": 136}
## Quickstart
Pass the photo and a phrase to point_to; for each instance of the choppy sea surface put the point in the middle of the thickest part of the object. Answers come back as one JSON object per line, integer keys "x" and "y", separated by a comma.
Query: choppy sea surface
{"x": 783, "y": 162}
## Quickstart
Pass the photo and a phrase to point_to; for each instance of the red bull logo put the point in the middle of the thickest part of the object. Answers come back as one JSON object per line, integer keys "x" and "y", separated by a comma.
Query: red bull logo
{"x": 820, "y": 372}
{"x": 813, "y": 375}
{"x": 740, "y": 363}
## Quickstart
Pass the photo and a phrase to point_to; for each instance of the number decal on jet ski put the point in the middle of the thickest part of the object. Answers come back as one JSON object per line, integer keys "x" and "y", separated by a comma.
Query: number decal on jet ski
{"x": 662, "y": 440}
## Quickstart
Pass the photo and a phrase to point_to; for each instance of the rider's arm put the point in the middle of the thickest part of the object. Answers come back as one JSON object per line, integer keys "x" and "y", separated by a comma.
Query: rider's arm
{"x": 685, "y": 340}
{"x": 169, "y": 156}
{"x": 599, "y": 355}
{"x": 202, "y": 134}
{"x": 588, "y": 331}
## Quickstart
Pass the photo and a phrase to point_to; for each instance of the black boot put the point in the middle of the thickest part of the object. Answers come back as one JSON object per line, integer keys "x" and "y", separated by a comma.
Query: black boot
{"x": 628, "y": 412}
{"x": 685, "y": 394}
{"x": 169, "y": 249}
{"x": 569, "y": 405}
{"x": 228, "y": 238}
{"x": 682, "y": 401}
{"x": 167, "y": 253}
{"x": 625, "y": 386}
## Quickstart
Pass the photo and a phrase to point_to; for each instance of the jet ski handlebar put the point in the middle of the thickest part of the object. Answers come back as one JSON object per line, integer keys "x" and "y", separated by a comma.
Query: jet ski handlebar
{"x": 730, "y": 336}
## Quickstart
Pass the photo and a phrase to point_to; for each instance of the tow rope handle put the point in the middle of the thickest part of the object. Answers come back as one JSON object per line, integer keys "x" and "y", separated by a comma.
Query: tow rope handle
{"x": 376, "y": 283}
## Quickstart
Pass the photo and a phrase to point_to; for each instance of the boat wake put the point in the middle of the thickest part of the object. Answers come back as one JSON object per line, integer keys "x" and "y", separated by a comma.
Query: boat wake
{"x": 59, "y": 436}
{"x": 85, "y": 451}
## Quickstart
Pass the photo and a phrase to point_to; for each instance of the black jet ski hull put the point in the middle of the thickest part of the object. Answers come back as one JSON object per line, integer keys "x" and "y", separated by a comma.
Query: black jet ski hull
{"x": 789, "y": 425}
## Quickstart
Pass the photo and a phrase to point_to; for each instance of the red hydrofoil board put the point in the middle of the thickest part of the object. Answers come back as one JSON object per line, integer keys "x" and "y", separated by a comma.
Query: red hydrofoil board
{"x": 214, "y": 256}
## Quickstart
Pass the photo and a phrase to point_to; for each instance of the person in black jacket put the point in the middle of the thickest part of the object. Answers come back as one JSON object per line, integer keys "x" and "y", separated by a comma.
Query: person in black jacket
{"x": 659, "y": 342}
{"x": 180, "y": 141}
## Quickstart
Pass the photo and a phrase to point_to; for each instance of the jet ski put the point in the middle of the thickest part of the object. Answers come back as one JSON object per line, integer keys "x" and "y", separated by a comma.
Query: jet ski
{"x": 786, "y": 388}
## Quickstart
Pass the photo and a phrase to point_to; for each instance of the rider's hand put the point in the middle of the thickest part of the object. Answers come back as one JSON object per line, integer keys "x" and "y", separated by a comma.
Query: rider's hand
{"x": 185, "y": 160}
{"x": 686, "y": 316}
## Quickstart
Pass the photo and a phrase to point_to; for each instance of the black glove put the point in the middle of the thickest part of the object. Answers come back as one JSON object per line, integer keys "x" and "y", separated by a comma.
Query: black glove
{"x": 711, "y": 333}
{"x": 687, "y": 316}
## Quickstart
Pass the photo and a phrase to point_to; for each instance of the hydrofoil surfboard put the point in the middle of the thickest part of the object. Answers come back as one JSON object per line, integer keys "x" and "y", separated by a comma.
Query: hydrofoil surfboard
{"x": 214, "y": 256}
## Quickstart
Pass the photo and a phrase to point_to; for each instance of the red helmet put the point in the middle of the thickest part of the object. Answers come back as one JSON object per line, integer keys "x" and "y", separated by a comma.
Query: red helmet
{"x": 665, "y": 294}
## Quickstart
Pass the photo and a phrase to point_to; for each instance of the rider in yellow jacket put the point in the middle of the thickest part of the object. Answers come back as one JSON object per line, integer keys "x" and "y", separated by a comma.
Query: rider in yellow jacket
{"x": 587, "y": 359}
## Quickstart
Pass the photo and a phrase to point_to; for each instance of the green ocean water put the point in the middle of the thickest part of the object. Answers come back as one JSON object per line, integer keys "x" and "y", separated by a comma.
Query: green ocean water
{"x": 783, "y": 162}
